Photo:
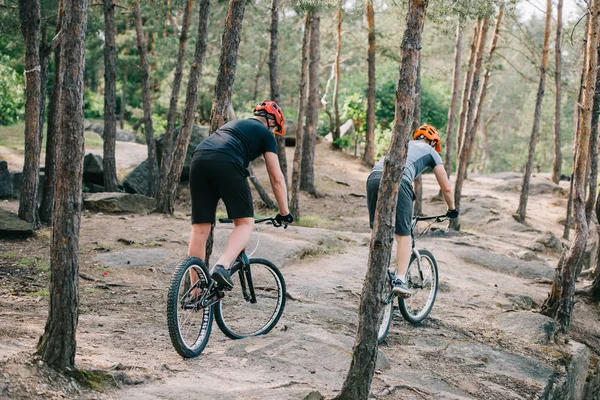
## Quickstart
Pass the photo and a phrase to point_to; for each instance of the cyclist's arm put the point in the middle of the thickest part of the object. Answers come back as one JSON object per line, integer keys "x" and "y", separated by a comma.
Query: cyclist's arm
{"x": 442, "y": 179}
{"x": 277, "y": 182}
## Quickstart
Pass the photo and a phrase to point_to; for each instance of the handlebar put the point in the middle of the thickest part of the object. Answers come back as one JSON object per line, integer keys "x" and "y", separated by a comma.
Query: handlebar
{"x": 437, "y": 218}
{"x": 272, "y": 220}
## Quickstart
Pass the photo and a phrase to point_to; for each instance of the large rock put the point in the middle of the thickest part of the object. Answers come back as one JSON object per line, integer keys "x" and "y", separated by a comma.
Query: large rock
{"x": 118, "y": 202}
{"x": 93, "y": 171}
{"x": 290, "y": 133}
{"x": 125, "y": 136}
{"x": 6, "y": 183}
{"x": 93, "y": 126}
{"x": 527, "y": 326}
{"x": 12, "y": 226}
{"x": 504, "y": 264}
{"x": 137, "y": 180}
{"x": 17, "y": 180}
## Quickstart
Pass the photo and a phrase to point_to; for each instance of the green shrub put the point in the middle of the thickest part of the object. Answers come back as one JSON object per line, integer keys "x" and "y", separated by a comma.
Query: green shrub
{"x": 12, "y": 98}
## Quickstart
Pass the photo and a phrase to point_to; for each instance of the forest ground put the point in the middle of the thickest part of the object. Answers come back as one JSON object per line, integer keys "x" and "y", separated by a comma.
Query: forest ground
{"x": 476, "y": 343}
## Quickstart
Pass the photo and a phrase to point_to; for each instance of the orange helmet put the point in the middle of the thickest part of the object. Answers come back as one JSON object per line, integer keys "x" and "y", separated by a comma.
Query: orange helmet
{"x": 271, "y": 110}
{"x": 428, "y": 132}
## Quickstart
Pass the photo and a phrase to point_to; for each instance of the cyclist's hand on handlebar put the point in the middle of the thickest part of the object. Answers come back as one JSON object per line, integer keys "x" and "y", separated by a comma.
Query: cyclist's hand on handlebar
{"x": 452, "y": 214}
{"x": 284, "y": 219}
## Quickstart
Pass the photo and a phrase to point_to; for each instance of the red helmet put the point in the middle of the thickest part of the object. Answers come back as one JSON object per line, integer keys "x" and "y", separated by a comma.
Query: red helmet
{"x": 271, "y": 110}
{"x": 428, "y": 132}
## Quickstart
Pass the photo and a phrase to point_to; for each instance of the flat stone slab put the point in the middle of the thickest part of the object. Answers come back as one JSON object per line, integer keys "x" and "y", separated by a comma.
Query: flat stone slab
{"x": 526, "y": 325}
{"x": 12, "y": 226}
{"x": 134, "y": 258}
{"x": 508, "y": 265}
{"x": 119, "y": 202}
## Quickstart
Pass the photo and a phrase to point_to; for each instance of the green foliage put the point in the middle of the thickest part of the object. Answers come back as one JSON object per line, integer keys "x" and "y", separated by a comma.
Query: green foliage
{"x": 355, "y": 108}
{"x": 12, "y": 88}
{"x": 93, "y": 104}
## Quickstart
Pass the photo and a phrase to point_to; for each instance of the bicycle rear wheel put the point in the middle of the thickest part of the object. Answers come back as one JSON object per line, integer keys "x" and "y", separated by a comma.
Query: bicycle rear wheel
{"x": 189, "y": 324}
{"x": 388, "y": 312}
{"x": 255, "y": 304}
{"x": 423, "y": 285}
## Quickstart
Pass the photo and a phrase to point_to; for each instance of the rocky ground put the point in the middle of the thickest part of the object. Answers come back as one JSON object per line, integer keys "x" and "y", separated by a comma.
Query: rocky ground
{"x": 483, "y": 340}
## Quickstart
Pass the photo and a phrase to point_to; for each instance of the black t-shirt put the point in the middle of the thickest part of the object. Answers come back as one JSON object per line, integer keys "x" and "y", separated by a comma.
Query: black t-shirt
{"x": 242, "y": 139}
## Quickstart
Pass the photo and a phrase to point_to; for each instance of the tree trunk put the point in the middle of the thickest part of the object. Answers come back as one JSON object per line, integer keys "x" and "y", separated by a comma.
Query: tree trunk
{"x": 227, "y": 64}
{"x": 110, "y": 99}
{"x": 52, "y": 131}
{"x": 166, "y": 200}
{"x": 57, "y": 345}
{"x": 418, "y": 183}
{"x": 561, "y": 297}
{"x": 29, "y": 15}
{"x": 358, "y": 381}
{"x": 307, "y": 178}
{"x": 294, "y": 203}
{"x": 453, "y": 100}
{"x": 264, "y": 196}
{"x": 486, "y": 141}
{"x": 593, "y": 152}
{"x": 369, "y": 156}
{"x": 146, "y": 103}
{"x": 467, "y": 88}
{"x": 225, "y": 78}
{"x": 274, "y": 80}
{"x": 470, "y": 128}
{"x": 336, "y": 86}
{"x": 522, "y": 209}
{"x": 45, "y": 50}
{"x": 124, "y": 91}
{"x": 595, "y": 288}
{"x": 557, "y": 164}
{"x": 167, "y": 153}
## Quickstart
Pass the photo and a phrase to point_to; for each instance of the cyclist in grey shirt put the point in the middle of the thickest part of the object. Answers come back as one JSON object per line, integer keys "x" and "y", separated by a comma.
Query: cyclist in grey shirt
{"x": 423, "y": 153}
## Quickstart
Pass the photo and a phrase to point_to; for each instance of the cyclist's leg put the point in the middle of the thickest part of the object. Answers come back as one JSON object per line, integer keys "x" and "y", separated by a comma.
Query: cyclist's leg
{"x": 237, "y": 240}
{"x": 198, "y": 238}
{"x": 402, "y": 230}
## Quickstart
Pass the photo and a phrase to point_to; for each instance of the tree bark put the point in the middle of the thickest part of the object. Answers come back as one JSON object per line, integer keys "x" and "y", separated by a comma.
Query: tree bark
{"x": 557, "y": 164}
{"x": 307, "y": 178}
{"x": 30, "y": 16}
{"x": 522, "y": 209}
{"x": 561, "y": 297}
{"x": 124, "y": 91}
{"x": 294, "y": 203}
{"x": 227, "y": 64}
{"x": 45, "y": 50}
{"x": 418, "y": 183}
{"x": 593, "y": 152}
{"x": 336, "y": 86}
{"x": 167, "y": 153}
{"x": 225, "y": 79}
{"x": 146, "y": 102}
{"x": 453, "y": 100}
{"x": 274, "y": 80}
{"x": 369, "y": 156}
{"x": 359, "y": 378}
{"x": 166, "y": 200}
{"x": 467, "y": 88}
{"x": 470, "y": 128}
{"x": 57, "y": 345}
{"x": 109, "y": 163}
{"x": 52, "y": 131}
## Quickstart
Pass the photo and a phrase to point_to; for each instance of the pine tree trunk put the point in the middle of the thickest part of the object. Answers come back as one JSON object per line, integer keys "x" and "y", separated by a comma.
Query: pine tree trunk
{"x": 595, "y": 289}
{"x": 124, "y": 91}
{"x": 274, "y": 80}
{"x": 45, "y": 51}
{"x": 166, "y": 200}
{"x": 358, "y": 381}
{"x": 146, "y": 102}
{"x": 470, "y": 128}
{"x": 225, "y": 78}
{"x": 336, "y": 87}
{"x": 294, "y": 203}
{"x": 227, "y": 64}
{"x": 167, "y": 153}
{"x": 110, "y": 99}
{"x": 57, "y": 345}
{"x": 557, "y": 164}
{"x": 593, "y": 152}
{"x": 29, "y": 15}
{"x": 565, "y": 286}
{"x": 464, "y": 108}
{"x": 453, "y": 100}
{"x": 369, "y": 156}
{"x": 418, "y": 183}
{"x": 522, "y": 209}
{"x": 307, "y": 178}
{"x": 52, "y": 131}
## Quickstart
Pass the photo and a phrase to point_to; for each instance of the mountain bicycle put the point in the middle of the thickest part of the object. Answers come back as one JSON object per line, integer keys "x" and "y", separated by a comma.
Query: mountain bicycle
{"x": 253, "y": 307}
{"x": 421, "y": 280}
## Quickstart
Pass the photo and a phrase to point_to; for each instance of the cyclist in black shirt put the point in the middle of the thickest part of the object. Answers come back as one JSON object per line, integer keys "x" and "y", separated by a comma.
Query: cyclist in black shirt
{"x": 219, "y": 171}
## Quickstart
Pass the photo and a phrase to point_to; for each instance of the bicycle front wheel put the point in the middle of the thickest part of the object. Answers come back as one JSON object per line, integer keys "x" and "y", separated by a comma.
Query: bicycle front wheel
{"x": 255, "y": 304}
{"x": 388, "y": 311}
{"x": 422, "y": 281}
{"x": 189, "y": 323}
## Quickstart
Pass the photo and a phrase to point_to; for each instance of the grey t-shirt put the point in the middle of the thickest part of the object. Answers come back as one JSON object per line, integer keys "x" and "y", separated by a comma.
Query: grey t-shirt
{"x": 420, "y": 156}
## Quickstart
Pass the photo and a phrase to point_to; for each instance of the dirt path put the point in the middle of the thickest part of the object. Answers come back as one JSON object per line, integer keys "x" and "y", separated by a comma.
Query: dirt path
{"x": 464, "y": 350}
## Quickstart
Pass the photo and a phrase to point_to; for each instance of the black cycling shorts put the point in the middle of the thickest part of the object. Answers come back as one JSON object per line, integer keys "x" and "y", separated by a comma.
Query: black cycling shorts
{"x": 215, "y": 176}
{"x": 404, "y": 206}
